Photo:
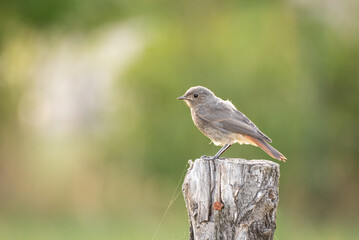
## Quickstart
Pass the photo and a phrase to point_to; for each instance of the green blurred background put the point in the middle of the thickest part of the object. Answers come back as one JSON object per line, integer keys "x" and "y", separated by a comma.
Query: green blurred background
{"x": 93, "y": 141}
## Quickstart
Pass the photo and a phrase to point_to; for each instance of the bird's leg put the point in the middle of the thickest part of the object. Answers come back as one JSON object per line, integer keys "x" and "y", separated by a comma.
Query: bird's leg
{"x": 221, "y": 151}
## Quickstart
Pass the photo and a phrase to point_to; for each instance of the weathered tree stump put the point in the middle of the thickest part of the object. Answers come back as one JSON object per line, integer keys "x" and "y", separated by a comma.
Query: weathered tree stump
{"x": 235, "y": 199}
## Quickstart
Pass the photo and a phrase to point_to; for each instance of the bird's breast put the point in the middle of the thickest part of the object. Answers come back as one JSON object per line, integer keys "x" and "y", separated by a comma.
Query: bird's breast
{"x": 218, "y": 136}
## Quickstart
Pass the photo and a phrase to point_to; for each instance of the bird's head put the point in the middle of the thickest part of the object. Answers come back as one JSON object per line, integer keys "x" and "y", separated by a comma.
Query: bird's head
{"x": 196, "y": 96}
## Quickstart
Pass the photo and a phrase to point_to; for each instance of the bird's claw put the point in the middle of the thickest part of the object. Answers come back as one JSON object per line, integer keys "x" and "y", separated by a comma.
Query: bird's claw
{"x": 205, "y": 157}
{"x": 209, "y": 158}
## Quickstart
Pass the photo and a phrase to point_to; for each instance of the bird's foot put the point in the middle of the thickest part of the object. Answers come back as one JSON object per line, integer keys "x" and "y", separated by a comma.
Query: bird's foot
{"x": 209, "y": 158}
{"x": 205, "y": 157}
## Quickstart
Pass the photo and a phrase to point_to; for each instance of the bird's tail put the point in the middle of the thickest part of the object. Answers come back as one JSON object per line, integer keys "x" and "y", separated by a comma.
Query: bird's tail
{"x": 274, "y": 153}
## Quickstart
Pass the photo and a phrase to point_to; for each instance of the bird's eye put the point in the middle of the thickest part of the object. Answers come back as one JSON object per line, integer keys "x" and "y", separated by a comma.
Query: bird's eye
{"x": 196, "y": 95}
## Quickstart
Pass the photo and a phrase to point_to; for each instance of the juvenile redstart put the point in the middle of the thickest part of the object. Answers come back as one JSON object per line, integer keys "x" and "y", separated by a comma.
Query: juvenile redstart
{"x": 221, "y": 122}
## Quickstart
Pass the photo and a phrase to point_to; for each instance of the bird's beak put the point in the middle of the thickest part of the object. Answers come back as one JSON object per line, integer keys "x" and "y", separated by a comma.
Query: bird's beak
{"x": 181, "y": 98}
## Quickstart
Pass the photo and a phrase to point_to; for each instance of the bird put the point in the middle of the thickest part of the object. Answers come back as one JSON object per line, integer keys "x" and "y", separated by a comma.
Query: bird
{"x": 224, "y": 124}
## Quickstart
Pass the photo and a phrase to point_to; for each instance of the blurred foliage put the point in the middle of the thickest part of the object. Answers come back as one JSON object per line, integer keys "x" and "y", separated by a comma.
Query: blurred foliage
{"x": 290, "y": 67}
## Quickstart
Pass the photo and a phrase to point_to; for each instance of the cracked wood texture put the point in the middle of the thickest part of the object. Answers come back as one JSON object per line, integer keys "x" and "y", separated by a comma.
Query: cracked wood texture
{"x": 248, "y": 190}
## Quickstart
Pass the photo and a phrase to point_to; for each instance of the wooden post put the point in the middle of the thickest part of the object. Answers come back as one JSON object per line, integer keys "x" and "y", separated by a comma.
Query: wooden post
{"x": 235, "y": 199}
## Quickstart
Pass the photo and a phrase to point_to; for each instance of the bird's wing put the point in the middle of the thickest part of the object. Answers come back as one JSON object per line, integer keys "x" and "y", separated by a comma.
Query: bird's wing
{"x": 225, "y": 116}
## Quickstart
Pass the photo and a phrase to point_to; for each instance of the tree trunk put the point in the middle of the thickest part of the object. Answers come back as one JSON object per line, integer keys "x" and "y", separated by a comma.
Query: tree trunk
{"x": 231, "y": 199}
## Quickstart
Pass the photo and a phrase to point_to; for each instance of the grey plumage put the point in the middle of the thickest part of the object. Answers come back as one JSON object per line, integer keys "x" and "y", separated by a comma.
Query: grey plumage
{"x": 221, "y": 121}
